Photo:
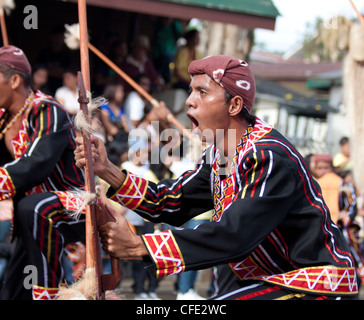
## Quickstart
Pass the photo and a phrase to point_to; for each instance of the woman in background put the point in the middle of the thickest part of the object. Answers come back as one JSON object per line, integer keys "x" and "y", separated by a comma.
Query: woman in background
{"x": 112, "y": 114}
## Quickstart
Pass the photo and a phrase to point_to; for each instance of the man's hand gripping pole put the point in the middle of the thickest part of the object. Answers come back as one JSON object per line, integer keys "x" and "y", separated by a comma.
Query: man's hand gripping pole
{"x": 96, "y": 213}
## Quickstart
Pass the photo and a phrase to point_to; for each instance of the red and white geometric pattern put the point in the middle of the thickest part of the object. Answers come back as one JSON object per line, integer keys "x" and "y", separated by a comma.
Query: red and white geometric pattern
{"x": 132, "y": 191}
{"x": 7, "y": 189}
{"x": 41, "y": 293}
{"x": 165, "y": 252}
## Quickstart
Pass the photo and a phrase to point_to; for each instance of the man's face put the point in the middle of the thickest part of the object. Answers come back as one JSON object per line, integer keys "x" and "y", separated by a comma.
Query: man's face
{"x": 207, "y": 107}
{"x": 322, "y": 167}
{"x": 5, "y": 92}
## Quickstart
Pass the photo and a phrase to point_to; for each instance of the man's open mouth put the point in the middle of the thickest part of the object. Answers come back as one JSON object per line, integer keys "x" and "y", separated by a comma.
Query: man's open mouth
{"x": 194, "y": 122}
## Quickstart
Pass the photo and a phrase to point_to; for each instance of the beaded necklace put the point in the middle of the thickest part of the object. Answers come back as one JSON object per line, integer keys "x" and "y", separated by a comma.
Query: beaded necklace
{"x": 20, "y": 112}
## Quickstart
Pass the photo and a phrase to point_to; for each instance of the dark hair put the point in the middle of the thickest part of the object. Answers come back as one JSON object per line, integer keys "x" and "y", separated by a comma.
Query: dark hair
{"x": 110, "y": 90}
{"x": 72, "y": 70}
{"x": 307, "y": 159}
{"x": 343, "y": 140}
{"x": 37, "y": 67}
{"x": 343, "y": 174}
{"x": 160, "y": 170}
{"x": 140, "y": 76}
{"x": 189, "y": 35}
{"x": 115, "y": 149}
{"x": 147, "y": 109}
{"x": 9, "y": 72}
{"x": 243, "y": 113}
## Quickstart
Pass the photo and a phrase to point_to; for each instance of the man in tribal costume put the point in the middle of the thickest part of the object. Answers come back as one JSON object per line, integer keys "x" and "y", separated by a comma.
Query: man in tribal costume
{"x": 37, "y": 173}
{"x": 271, "y": 236}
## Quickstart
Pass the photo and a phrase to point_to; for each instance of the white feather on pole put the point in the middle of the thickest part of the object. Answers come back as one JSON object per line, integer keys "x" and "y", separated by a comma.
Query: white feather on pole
{"x": 72, "y": 36}
{"x": 80, "y": 120}
{"x": 86, "y": 198}
{"x": 7, "y": 6}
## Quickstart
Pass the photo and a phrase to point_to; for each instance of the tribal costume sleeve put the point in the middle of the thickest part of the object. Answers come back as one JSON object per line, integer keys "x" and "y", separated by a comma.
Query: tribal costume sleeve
{"x": 43, "y": 151}
{"x": 171, "y": 201}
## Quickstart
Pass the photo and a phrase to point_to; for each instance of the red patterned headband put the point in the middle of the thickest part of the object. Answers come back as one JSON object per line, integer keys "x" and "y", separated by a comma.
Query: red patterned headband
{"x": 231, "y": 73}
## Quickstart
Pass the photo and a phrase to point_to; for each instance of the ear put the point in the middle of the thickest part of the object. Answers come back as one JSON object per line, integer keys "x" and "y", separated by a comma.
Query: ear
{"x": 15, "y": 81}
{"x": 236, "y": 105}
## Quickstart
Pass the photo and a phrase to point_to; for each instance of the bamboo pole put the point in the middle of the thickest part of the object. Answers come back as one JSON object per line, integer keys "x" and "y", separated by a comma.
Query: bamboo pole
{"x": 4, "y": 32}
{"x": 85, "y": 63}
{"x": 93, "y": 252}
{"x": 361, "y": 18}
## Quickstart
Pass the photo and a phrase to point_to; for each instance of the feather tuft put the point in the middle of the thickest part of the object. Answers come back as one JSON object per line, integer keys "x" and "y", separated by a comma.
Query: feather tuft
{"x": 81, "y": 121}
{"x": 72, "y": 36}
{"x": 7, "y": 6}
{"x": 83, "y": 289}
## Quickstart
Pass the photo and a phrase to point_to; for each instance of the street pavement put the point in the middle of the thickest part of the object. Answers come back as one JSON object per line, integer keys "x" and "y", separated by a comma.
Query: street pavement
{"x": 166, "y": 287}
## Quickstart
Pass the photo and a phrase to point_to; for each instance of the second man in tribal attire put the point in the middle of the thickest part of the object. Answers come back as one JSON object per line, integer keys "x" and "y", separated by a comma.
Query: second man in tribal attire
{"x": 38, "y": 174}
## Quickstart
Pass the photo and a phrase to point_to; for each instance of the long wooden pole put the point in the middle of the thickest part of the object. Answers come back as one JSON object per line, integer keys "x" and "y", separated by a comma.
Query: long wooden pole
{"x": 85, "y": 63}
{"x": 360, "y": 16}
{"x": 93, "y": 254}
{"x": 4, "y": 32}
